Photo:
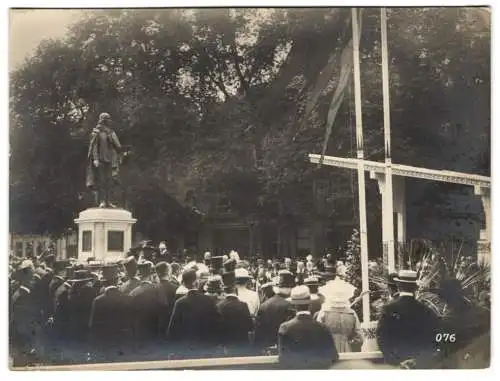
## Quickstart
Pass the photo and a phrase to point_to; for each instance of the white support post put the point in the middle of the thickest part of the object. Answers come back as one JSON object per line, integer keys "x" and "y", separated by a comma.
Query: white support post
{"x": 363, "y": 234}
{"x": 400, "y": 207}
{"x": 484, "y": 243}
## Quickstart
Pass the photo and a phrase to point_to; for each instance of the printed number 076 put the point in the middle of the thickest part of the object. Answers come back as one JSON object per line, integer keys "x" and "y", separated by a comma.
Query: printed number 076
{"x": 446, "y": 337}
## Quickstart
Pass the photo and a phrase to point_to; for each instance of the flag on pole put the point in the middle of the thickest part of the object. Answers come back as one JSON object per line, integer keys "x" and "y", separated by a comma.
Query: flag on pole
{"x": 346, "y": 65}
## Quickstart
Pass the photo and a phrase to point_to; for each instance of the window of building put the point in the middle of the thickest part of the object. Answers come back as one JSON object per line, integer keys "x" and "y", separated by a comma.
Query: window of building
{"x": 115, "y": 240}
{"x": 86, "y": 241}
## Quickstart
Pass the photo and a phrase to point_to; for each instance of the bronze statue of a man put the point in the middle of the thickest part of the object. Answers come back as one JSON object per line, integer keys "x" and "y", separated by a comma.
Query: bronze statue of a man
{"x": 103, "y": 161}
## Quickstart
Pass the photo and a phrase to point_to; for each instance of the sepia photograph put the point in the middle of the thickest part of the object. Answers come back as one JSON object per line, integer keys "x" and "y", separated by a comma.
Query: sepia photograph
{"x": 249, "y": 188}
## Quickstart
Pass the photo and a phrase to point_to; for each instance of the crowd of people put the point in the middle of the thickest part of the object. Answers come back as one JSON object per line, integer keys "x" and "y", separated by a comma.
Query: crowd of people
{"x": 152, "y": 305}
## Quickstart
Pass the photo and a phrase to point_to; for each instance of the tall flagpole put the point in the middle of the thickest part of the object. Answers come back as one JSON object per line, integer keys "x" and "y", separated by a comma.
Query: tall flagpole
{"x": 388, "y": 211}
{"x": 363, "y": 235}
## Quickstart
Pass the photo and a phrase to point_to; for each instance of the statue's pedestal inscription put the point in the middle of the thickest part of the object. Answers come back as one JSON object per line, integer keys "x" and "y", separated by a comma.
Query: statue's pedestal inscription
{"x": 104, "y": 234}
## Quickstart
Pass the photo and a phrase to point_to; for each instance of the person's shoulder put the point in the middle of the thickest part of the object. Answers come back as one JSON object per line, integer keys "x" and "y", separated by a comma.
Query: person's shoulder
{"x": 289, "y": 324}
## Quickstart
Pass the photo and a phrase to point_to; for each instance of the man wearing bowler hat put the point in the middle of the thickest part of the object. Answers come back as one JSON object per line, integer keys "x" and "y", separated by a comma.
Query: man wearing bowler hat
{"x": 195, "y": 323}
{"x": 145, "y": 302}
{"x": 303, "y": 343}
{"x": 80, "y": 298}
{"x": 274, "y": 311}
{"x": 238, "y": 322}
{"x": 407, "y": 329}
{"x": 131, "y": 282}
{"x": 110, "y": 326}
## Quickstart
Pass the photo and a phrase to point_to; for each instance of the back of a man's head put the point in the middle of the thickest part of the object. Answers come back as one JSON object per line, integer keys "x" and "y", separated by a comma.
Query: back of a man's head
{"x": 189, "y": 278}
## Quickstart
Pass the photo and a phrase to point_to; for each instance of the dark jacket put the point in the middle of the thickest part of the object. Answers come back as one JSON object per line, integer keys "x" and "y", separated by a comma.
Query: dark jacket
{"x": 25, "y": 317}
{"x": 237, "y": 321}
{"x": 272, "y": 313}
{"x": 407, "y": 330}
{"x": 316, "y": 305}
{"x": 54, "y": 284}
{"x": 110, "y": 322}
{"x": 80, "y": 300}
{"x": 128, "y": 286}
{"x": 195, "y": 320}
{"x": 145, "y": 302}
{"x": 303, "y": 343}
{"x": 62, "y": 311}
{"x": 167, "y": 301}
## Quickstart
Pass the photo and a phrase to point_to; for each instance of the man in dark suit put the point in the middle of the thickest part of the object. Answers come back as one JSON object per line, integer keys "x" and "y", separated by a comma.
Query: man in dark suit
{"x": 407, "y": 329}
{"x": 145, "y": 304}
{"x": 131, "y": 281}
{"x": 110, "y": 325}
{"x": 61, "y": 319}
{"x": 25, "y": 316}
{"x": 238, "y": 322}
{"x": 195, "y": 324}
{"x": 80, "y": 298}
{"x": 166, "y": 294}
{"x": 57, "y": 280}
{"x": 274, "y": 311}
{"x": 304, "y": 343}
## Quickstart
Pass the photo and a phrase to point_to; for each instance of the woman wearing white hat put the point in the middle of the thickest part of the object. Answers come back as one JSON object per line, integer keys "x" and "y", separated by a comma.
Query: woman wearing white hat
{"x": 341, "y": 320}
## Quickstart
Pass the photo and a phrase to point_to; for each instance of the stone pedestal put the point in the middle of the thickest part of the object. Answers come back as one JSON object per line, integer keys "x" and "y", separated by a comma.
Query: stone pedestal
{"x": 104, "y": 234}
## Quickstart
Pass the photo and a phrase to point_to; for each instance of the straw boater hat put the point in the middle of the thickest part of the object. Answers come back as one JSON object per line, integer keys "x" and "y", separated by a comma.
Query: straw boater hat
{"x": 311, "y": 281}
{"x": 406, "y": 277}
{"x": 242, "y": 274}
{"x": 300, "y": 295}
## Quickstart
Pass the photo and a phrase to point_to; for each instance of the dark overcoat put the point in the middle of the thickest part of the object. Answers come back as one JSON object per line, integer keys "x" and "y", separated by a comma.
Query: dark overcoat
{"x": 272, "y": 313}
{"x": 407, "y": 330}
{"x": 303, "y": 343}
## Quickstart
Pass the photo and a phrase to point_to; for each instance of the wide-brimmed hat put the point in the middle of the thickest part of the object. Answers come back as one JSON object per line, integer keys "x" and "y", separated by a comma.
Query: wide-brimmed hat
{"x": 144, "y": 268}
{"x": 104, "y": 116}
{"x": 110, "y": 272}
{"x": 284, "y": 282}
{"x": 148, "y": 246}
{"x": 406, "y": 277}
{"x": 242, "y": 274}
{"x": 60, "y": 265}
{"x": 81, "y": 276}
{"x": 301, "y": 295}
{"x": 311, "y": 281}
{"x": 267, "y": 285}
{"x": 213, "y": 284}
